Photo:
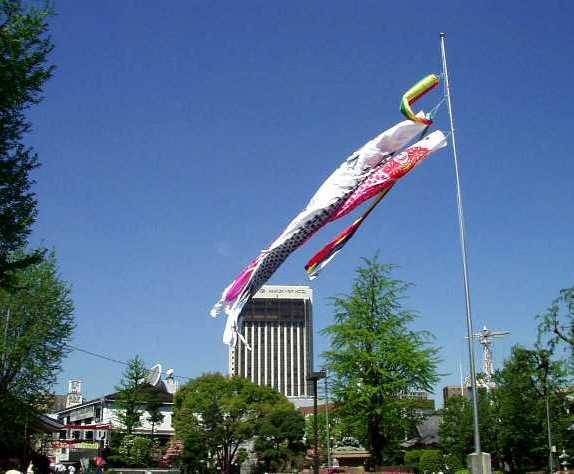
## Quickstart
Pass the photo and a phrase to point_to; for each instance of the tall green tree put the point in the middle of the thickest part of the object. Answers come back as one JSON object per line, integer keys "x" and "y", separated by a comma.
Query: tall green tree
{"x": 513, "y": 424}
{"x": 214, "y": 415}
{"x": 377, "y": 361}
{"x": 24, "y": 69}
{"x": 519, "y": 401}
{"x": 36, "y": 323}
{"x": 131, "y": 395}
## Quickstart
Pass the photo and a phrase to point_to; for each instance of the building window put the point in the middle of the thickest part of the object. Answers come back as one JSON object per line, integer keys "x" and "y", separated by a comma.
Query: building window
{"x": 62, "y": 434}
{"x": 98, "y": 414}
{"x": 89, "y": 435}
{"x": 75, "y": 434}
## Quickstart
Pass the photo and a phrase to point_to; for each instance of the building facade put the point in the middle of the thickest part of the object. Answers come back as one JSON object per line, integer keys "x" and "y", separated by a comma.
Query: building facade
{"x": 87, "y": 425}
{"x": 453, "y": 391}
{"x": 277, "y": 347}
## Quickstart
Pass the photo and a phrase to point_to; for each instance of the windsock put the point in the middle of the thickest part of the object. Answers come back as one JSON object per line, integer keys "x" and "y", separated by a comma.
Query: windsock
{"x": 380, "y": 181}
{"x": 415, "y": 93}
{"x": 323, "y": 207}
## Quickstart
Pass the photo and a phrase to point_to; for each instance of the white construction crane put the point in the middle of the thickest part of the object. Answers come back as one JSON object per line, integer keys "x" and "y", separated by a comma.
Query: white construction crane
{"x": 485, "y": 338}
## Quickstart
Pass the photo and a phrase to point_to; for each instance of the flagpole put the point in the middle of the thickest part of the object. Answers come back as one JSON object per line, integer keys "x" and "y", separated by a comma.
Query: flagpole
{"x": 464, "y": 253}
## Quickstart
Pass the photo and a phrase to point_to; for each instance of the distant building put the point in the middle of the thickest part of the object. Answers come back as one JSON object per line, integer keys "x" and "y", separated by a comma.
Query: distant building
{"x": 86, "y": 427}
{"x": 277, "y": 351}
{"x": 422, "y": 403}
{"x": 453, "y": 391}
{"x": 74, "y": 396}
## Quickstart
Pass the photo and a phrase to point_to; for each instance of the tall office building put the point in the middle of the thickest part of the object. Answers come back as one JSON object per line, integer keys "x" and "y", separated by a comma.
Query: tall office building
{"x": 277, "y": 325}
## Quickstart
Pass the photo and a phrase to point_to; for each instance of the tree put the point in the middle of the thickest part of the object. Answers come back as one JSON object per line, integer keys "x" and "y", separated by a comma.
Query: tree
{"x": 377, "y": 361}
{"x": 36, "y": 323}
{"x": 456, "y": 428}
{"x": 214, "y": 415}
{"x": 513, "y": 414}
{"x": 131, "y": 397}
{"x": 153, "y": 408}
{"x": 557, "y": 324}
{"x": 24, "y": 69}
{"x": 279, "y": 446}
{"x": 134, "y": 397}
{"x": 519, "y": 401}
{"x": 456, "y": 431}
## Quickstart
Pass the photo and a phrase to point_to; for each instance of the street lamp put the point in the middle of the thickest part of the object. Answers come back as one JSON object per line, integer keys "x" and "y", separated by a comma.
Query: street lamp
{"x": 327, "y": 427}
{"x": 315, "y": 377}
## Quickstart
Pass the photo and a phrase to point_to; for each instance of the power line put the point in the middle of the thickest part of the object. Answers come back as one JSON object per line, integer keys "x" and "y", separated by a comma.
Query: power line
{"x": 111, "y": 359}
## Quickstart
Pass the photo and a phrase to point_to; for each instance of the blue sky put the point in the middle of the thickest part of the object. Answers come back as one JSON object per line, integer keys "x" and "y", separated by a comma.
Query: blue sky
{"x": 179, "y": 138}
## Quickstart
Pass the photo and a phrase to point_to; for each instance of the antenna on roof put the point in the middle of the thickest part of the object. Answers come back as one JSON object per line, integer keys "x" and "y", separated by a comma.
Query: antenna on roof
{"x": 154, "y": 375}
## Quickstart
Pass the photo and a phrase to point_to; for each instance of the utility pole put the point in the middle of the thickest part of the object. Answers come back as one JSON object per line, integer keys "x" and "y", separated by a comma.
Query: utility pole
{"x": 327, "y": 427}
{"x": 478, "y": 462}
{"x": 315, "y": 377}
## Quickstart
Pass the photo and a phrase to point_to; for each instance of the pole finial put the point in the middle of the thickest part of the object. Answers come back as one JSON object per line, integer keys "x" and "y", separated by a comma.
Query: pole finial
{"x": 442, "y": 35}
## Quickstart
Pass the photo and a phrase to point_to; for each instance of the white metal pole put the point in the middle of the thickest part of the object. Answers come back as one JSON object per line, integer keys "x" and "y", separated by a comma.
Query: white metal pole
{"x": 463, "y": 248}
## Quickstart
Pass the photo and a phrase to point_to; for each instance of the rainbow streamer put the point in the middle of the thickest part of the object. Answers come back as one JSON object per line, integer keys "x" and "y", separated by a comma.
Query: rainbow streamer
{"x": 415, "y": 93}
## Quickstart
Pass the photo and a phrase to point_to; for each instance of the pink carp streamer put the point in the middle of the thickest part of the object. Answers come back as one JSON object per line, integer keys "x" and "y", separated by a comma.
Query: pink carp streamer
{"x": 323, "y": 207}
{"x": 379, "y": 182}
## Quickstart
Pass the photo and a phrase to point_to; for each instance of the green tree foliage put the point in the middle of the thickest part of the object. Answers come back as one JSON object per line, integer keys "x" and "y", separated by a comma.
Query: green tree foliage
{"x": 24, "y": 69}
{"x": 519, "y": 401}
{"x": 36, "y": 322}
{"x": 136, "y": 401}
{"x": 214, "y": 415}
{"x": 153, "y": 408}
{"x": 452, "y": 463}
{"x": 136, "y": 451}
{"x": 278, "y": 445}
{"x": 431, "y": 460}
{"x": 513, "y": 415}
{"x": 377, "y": 361}
{"x": 131, "y": 398}
{"x": 456, "y": 429}
{"x": 557, "y": 323}
{"x": 196, "y": 455}
{"x": 412, "y": 457}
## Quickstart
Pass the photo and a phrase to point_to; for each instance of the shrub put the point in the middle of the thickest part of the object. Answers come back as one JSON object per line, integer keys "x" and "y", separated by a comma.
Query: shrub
{"x": 413, "y": 457}
{"x": 453, "y": 463}
{"x": 136, "y": 451}
{"x": 431, "y": 461}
